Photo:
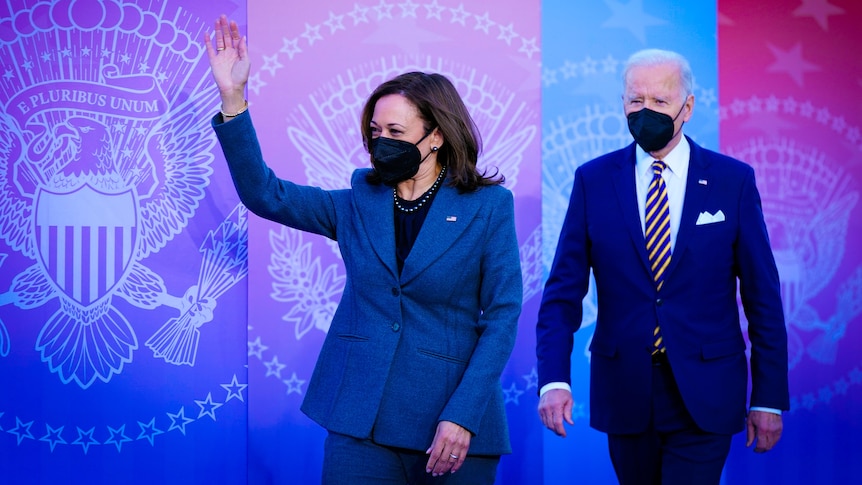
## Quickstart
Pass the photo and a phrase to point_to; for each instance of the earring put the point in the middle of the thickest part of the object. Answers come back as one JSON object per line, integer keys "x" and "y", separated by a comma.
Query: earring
{"x": 434, "y": 149}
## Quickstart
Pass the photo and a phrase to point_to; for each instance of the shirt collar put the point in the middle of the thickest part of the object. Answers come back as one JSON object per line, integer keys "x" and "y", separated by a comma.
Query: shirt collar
{"x": 676, "y": 160}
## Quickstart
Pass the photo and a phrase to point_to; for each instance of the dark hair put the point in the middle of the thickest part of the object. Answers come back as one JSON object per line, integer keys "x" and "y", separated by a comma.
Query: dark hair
{"x": 440, "y": 106}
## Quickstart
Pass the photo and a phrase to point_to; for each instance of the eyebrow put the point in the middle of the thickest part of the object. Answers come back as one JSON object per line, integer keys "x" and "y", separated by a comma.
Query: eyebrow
{"x": 389, "y": 125}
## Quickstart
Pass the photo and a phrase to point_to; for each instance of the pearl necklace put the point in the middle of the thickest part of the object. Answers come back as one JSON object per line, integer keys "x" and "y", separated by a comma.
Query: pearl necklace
{"x": 425, "y": 197}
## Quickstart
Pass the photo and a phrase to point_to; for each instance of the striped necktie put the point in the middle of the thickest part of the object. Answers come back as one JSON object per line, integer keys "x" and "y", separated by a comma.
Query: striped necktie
{"x": 657, "y": 234}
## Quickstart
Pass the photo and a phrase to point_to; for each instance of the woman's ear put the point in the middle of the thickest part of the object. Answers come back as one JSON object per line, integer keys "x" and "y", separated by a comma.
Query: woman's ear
{"x": 437, "y": 139}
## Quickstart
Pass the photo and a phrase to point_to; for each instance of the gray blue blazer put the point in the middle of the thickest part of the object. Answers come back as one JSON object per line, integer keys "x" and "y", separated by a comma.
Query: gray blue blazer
{"x": 404, "y": 351}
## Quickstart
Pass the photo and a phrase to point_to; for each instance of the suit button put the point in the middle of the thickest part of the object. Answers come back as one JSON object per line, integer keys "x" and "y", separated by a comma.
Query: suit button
{"x": 396, "y": 327}
{"x": 658, "y": 302}
{"x": 395, "y": 292}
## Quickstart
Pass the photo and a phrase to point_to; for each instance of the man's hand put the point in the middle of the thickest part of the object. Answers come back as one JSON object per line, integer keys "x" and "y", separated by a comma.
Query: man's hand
{"x": 554, "y": 406}
{"x": 763, "y": 428}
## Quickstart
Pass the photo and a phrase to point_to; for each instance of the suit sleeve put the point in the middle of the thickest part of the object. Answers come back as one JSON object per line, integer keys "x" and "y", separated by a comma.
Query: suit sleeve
{"x": 501, "y": 295}
{"x": 262, "y": 192}
{"x": 561, "y": 310}
{"x": 761, "y": 301}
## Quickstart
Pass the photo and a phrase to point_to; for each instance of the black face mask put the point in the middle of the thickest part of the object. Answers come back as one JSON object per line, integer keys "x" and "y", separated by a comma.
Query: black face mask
{"x": 396, "y": 160}
{"x": 652, "y": 130}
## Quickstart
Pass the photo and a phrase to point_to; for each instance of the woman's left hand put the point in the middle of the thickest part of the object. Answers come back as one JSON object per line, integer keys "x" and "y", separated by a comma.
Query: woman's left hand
{"x": 449, "y": 448}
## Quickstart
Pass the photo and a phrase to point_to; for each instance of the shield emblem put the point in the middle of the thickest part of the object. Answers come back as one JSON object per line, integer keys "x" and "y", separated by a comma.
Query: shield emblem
{"x": 86, "y": 240}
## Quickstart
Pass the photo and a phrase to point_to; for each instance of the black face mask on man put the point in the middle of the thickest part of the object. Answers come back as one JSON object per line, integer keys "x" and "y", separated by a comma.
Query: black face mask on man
{"x": 652, "y": 130}
{"x": 396, "y": 160}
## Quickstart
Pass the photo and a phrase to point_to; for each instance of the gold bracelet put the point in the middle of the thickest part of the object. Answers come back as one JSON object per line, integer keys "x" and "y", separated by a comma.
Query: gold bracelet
{"x": 241, "y": 111}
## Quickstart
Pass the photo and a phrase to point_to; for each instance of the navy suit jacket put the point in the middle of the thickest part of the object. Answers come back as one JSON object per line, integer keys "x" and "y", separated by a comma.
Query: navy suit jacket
{"x": 696, "y": 308}
{"x": 404, "y": 351}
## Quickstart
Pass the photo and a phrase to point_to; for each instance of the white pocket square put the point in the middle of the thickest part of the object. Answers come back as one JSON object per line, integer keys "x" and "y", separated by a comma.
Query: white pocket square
{"x": 707, "y": 218}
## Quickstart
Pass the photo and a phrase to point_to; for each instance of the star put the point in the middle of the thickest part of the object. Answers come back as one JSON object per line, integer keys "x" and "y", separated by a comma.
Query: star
{"x": 8, "y": 74}
{"x": 359, "y": 14}
{"x": 532, "y": 379}
{"x": 28, "y": 64}
{"x": 254, "y": 84}
{"x": 841, "y": 386}
{"x": 208, "y": 407}
{"x": 125, "y": 58}
{"x": 609, "y": 64}
{"x": 408, "y": 9}
{"x": 707, "y": 97}
{"x": 256, "y": 348}
{"x": 312, "y": 34}
{"x": 569, "y": 69}
{"x": 161, "y": 77}
{"x": 66, "y": 52}
{"x": 819, "y": 10}
{"x": 631, "y": 16}
{"x": 271, "y": 64}
{"x": 483, "y": 23}
{"x": 384, "y": 10}
{"x": 290, "y": 47}
{"x": 53, "y": 436}
{"x": 46, "y": 56}
{"x": 118, "y": 437}
{"x": 529, "y": 47}
{"x": 273, "y": 367}
{"x": 234, "y": 389}
{"x": 334, "y": 22}
{"x": 21, "y": 430}
{"x": 578, "y": 411}
{"x": 143, "y": 67}
{"x": 179, "y": 421}
{"x": 512, "y": 394}
{"x": 459, "y": 15}
{"x": 85, "y": 443}
{"x": 789, "y": 105}
{"x": 507, "y": 33}
{"x": 149, "y": 431}
{"x": 791, "y": 62}
{"x": 85, "y": 51}
{"x": 434, "y": 10}
{"x": 549, "y": 77}
{"x": 294, "y": 384}
{"x": 589, "y": 65}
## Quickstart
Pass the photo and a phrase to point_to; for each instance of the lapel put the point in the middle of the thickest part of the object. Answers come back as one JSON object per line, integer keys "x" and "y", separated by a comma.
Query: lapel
{"x": 448, "y": 218}
{"x": 374, "y": 205}
{"x": 695, "y": 195}
{"x": 624, "y": 184}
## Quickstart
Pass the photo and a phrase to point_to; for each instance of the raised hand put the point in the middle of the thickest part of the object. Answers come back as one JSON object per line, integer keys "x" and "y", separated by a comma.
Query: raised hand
{"x": 228, "y": 56}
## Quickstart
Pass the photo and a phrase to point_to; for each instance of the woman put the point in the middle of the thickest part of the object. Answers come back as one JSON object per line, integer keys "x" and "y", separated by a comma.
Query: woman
{"x": 408, "y": 380}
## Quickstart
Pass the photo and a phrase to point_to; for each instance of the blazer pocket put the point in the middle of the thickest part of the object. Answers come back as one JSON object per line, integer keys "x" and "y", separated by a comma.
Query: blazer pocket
{"x": 443, "y": 357}
{"x": 723, "y": 348}
{"x": 352, "y": 337}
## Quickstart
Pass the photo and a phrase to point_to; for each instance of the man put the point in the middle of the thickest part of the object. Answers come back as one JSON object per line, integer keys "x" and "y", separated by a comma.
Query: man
{"x": 667, "y": 243}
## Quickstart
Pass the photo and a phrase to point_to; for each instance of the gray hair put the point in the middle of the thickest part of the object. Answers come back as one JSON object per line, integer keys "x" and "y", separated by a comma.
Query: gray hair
{"x": 654, "y": 57}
